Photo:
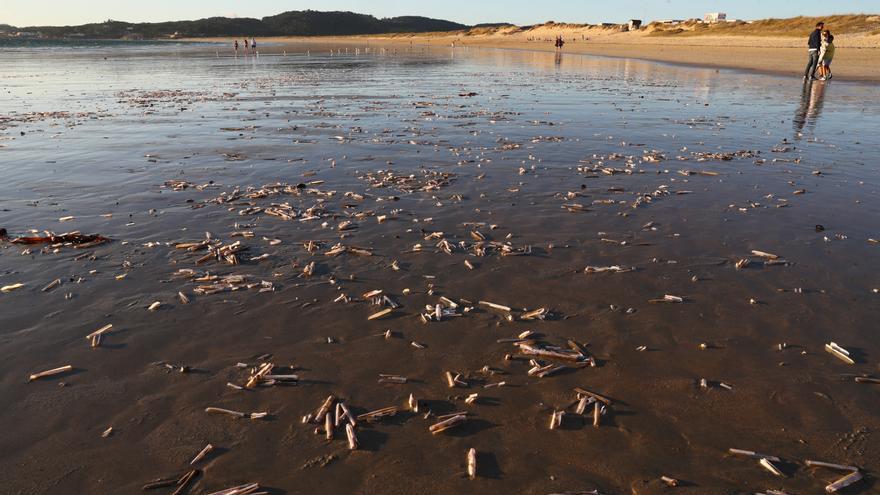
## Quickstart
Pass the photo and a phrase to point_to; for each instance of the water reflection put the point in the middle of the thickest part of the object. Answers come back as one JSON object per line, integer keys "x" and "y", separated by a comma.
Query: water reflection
{"x": 810, "y": 109}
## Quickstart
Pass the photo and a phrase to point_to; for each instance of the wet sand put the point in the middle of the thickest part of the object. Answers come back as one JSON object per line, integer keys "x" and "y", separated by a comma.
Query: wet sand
{"x": 566, "y": 162}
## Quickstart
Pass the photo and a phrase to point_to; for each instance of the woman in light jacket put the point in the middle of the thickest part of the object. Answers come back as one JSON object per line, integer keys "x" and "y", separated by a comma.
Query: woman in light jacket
{"x": 826, "y": 55}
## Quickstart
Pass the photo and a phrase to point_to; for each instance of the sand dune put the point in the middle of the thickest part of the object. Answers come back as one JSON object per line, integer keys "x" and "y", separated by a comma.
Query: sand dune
{"x": 857, "y": 57}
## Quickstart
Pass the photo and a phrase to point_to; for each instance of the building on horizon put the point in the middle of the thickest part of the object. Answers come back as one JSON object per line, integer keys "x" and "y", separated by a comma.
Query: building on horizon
{"x": 713, "y": 17}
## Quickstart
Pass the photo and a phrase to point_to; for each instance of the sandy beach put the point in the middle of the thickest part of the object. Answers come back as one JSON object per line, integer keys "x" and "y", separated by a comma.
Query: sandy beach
{"x": 857, "y": 58}
{"x": 344, "y": 264}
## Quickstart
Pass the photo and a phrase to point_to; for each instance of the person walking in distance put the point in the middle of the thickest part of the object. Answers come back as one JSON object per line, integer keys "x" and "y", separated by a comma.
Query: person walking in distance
{"x": 814, "y": 44}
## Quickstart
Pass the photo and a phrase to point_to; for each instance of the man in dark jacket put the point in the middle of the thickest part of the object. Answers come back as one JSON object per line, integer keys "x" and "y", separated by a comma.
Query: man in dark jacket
{"x": 815, "y": 44}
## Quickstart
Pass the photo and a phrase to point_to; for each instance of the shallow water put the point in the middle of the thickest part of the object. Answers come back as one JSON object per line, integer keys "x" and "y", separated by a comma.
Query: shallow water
{"x": 517, "y": 131}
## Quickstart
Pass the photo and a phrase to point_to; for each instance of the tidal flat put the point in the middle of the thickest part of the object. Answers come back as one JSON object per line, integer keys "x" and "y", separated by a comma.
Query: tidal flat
{"x": 663, "y": 254}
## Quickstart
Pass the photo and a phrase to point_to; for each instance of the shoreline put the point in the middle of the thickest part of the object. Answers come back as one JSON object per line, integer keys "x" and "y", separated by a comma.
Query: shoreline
{"x": 773, "y": 56}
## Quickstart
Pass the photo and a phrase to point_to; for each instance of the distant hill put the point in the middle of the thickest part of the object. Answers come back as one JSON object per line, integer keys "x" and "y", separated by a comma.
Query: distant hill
{"x": 7, "y": 28}
{"x": 293, "y": 23}
{"x": 313, "y": 23}
{"x": 214, "y": 26}
{"x": 416, "y": 24}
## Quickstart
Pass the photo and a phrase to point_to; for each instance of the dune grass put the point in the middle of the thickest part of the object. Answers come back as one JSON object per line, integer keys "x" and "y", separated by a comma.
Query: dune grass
{"x": 796, "y": 26}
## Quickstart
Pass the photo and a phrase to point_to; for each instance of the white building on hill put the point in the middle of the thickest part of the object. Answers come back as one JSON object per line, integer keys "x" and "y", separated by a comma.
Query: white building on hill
{"x": 714, "y": 17}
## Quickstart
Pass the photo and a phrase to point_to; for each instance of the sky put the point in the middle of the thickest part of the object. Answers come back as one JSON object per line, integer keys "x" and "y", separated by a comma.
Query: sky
{"x": 72, "y": 12}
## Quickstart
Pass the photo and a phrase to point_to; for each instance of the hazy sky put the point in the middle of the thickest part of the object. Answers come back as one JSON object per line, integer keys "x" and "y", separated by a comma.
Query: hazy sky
{"x": 61, "y": 12}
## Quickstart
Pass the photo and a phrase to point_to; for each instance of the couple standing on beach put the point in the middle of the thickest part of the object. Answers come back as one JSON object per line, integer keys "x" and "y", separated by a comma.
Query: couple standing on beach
{"x": 821, "y": 46}
{"x": 560, "y": 42}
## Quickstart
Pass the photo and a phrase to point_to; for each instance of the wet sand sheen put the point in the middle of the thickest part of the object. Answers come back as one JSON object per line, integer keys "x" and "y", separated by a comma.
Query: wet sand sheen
{"x": 539, "y": 133}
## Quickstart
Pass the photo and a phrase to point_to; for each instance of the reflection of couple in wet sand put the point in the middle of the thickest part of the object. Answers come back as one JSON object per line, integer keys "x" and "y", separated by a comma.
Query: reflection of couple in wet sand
{"x": 812, "y": 100}
{"x": 821, "y": 51}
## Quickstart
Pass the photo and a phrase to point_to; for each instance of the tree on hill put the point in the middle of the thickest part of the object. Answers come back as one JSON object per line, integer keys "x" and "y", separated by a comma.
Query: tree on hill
{"x": 314, "y": 23}
{"x": 416, "y": 24}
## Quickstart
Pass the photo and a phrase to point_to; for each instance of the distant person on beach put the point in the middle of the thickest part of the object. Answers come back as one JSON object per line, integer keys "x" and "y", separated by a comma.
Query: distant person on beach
{"x": 254, "y": 45}
{"x": 559, "y": 42}
{"x": 814, "y": 44}
{"x": 235, "y": 45}
{"x": 826, "y": 55}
